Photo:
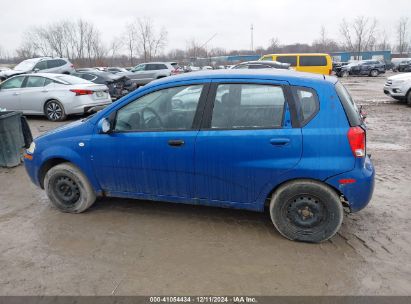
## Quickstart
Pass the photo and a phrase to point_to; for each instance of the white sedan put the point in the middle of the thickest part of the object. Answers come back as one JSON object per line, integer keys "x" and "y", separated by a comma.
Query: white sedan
{"x": 52, "y": 95}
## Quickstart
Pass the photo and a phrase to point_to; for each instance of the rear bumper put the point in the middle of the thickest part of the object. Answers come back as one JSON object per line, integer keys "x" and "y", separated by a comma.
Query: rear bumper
{"x": 359, "y": 193}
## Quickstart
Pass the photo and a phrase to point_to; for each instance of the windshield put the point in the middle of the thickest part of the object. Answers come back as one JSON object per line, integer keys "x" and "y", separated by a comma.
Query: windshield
{"x": 67, "y": 79}
{"x": 25, "y": 65}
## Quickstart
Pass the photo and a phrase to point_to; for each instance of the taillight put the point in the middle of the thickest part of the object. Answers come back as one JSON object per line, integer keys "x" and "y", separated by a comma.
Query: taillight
{"x": 356, "y": 138}
{"x": 330, "y": 71}
{"x": 80, "y": 92}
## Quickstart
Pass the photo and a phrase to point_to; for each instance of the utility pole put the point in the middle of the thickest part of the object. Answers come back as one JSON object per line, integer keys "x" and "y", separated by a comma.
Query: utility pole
{"x": 252, "y": 38}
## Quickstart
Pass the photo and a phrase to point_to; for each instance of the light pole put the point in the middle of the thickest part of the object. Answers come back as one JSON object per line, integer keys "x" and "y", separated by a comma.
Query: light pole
{"x": 252, "y": 38}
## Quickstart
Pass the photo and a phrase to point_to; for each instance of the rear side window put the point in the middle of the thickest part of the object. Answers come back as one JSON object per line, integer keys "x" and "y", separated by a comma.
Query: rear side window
{"x": 34, "y": 82}
{"x": 313, "y": 61}
{"x": 349, "y": 105}
{"x": 292, "y": 60}
{"x": 307, "y": 103}
{"x": 248, "y": 106}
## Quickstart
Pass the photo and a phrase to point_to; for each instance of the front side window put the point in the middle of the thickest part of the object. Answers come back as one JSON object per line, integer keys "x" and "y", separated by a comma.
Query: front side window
{"x": 163, "y": 110}
{"x": 248, "y": 106}
{"x": 292, "y": 60}
{"x": 13, "y": 83}
{"x": 313, "y": 61}
{"x": 307, "y": 103}
{"x": 140, "y": 67}
{"x": 35, "y": 82}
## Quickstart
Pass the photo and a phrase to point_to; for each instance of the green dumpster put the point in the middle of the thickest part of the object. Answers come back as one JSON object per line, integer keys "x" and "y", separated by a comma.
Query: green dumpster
{"x": 11, "y": 138}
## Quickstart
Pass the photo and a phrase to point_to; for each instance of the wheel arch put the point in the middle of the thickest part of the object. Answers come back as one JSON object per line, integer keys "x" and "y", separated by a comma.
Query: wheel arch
{"x": 284, "y": 183}
{"x": 47, "y": 165}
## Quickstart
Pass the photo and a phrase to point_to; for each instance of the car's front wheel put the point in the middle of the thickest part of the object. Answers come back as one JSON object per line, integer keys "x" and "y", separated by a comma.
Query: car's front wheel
{"x": 408, "y": 98}
{"x": 306, "y": 211}
{"x": 68, "y": 188}
{"x": 54, "y": 111}
{"x": 374, "y": 73}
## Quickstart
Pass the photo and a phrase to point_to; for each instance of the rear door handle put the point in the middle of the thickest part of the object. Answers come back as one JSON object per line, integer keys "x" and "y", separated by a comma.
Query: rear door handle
{"x": 279, "y": 141}
{"x": 176, "y": 142}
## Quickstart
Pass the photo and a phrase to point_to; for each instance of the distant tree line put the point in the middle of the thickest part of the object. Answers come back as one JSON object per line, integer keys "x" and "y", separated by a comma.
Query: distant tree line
{"x": 142, "y": 40}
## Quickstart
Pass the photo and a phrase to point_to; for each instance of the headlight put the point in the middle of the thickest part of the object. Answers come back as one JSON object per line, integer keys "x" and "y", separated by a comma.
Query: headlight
{"x": 31, "y": 149}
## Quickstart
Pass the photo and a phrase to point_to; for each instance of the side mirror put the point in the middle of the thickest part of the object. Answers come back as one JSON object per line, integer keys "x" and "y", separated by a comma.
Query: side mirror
{"x": 105, "y": 126}
{"x": 36, "y": 70}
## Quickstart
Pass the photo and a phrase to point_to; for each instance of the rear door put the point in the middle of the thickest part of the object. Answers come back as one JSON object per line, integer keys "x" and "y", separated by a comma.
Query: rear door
{"x": 246, "y": 142}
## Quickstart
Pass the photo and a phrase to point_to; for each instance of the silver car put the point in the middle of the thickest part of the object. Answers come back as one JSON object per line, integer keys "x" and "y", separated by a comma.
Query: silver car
{"x": 146, "y": 72}
{"x": 43, "y": 65}
{"x": 52, "y": 95}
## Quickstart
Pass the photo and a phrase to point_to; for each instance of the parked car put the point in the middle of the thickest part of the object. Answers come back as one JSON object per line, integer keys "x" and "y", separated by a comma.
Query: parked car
{"x": 246, "y": 139}
{"x": 52, "y": 95}
{"x": 396, "y": 62}
{"x": 371, "y": 68}
{"x": 338, "y": 65}
{"x": 146, "y": 72}
{"x": 207, "y": 67}
{"x": 43, "y": 64}
{"x": 118, "y": 85}
{"x": 262, "y": 65}
{"x": 405, "y": 66}
{"x": 304, "y": 62}
{"x": 399, "y": 87}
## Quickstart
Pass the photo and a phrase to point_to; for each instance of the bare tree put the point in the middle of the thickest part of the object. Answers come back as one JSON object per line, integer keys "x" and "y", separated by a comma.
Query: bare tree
{"x": 383, "y": 44}
{"x": 359, "y": 35}
{"x": 148, "y": 41}
{"x": 194, "y": 49}
{"x": 323, "y": 43}
{"x": 402, "y": 35}
{"x": 274, "y": 45}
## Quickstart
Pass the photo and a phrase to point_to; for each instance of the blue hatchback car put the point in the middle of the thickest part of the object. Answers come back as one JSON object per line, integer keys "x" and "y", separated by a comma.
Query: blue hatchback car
{"x": 290, "y": 142}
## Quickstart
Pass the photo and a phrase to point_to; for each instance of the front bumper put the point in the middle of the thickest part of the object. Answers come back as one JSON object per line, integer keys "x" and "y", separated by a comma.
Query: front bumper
{"x": 358, "y": 193}
{"x": 394, "y": 90}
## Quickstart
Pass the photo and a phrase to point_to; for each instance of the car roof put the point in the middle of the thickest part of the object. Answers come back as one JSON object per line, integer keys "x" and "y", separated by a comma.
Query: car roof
{"x": 263, "y": 74}
{"x": 296, "y": 54}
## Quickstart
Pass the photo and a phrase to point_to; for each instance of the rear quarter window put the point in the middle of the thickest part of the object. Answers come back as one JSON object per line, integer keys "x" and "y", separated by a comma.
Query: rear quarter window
{"x": 307, "y": 104}
{"x": 350, "y": 108}
{"x": 313, "y": 61}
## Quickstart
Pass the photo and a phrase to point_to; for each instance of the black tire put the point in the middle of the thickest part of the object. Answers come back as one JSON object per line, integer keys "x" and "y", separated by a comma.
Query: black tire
{"x": 374, "y": 73}
{"x": 307, "y": 211}
{"x": 345, "y": 74}
{"x": 68, "y": 188}
{"x": 54, "y": 110}
{"x": 408, "y": 98}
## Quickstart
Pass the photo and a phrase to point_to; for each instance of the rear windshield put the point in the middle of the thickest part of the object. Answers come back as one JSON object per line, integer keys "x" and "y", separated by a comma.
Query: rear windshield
{"x": 349, "y": 105}
{"x": 67, "y": 79}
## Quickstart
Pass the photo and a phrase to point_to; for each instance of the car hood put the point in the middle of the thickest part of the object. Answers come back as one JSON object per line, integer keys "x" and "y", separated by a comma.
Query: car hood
{"x": 405, "y": 76}
{"x": 9, "y": 73}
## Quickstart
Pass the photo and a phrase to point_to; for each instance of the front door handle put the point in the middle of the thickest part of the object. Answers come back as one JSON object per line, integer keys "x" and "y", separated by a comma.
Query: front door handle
{"x": 176, "y": 142}
{"x": 279, "y": 141}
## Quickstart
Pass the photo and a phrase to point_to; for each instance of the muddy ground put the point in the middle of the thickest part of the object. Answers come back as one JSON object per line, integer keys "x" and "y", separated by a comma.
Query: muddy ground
{"x": 142, "y": 248}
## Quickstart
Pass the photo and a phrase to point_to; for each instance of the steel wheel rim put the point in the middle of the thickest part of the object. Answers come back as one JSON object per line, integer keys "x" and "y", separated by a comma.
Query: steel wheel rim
{"x": 305, "y": 211}
{"x": 66, "y": 190}
{"x": 54, "y": 111}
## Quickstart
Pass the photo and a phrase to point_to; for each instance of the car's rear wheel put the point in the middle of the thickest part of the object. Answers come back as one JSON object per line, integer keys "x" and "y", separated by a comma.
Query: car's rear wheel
{"x": 68, "y": 188}
{"x": 374, "y": 73}
{"x": 54, "y": 111}
{"x": 306, "y": 211}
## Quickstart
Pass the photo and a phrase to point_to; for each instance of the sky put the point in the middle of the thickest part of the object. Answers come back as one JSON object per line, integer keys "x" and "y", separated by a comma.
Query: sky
{"x": 289, "y": 20}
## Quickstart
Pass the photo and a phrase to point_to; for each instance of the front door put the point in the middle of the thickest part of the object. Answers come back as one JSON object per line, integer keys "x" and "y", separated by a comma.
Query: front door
{"x": 246, "y": 144}
{"x": 10, "y": 93}
{"x": 34, "y": 94}
{"x": 151, "y": 150}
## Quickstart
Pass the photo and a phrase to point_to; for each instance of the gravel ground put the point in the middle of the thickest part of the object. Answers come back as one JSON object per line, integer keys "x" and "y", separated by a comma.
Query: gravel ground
{"x": 142, "y": 248}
